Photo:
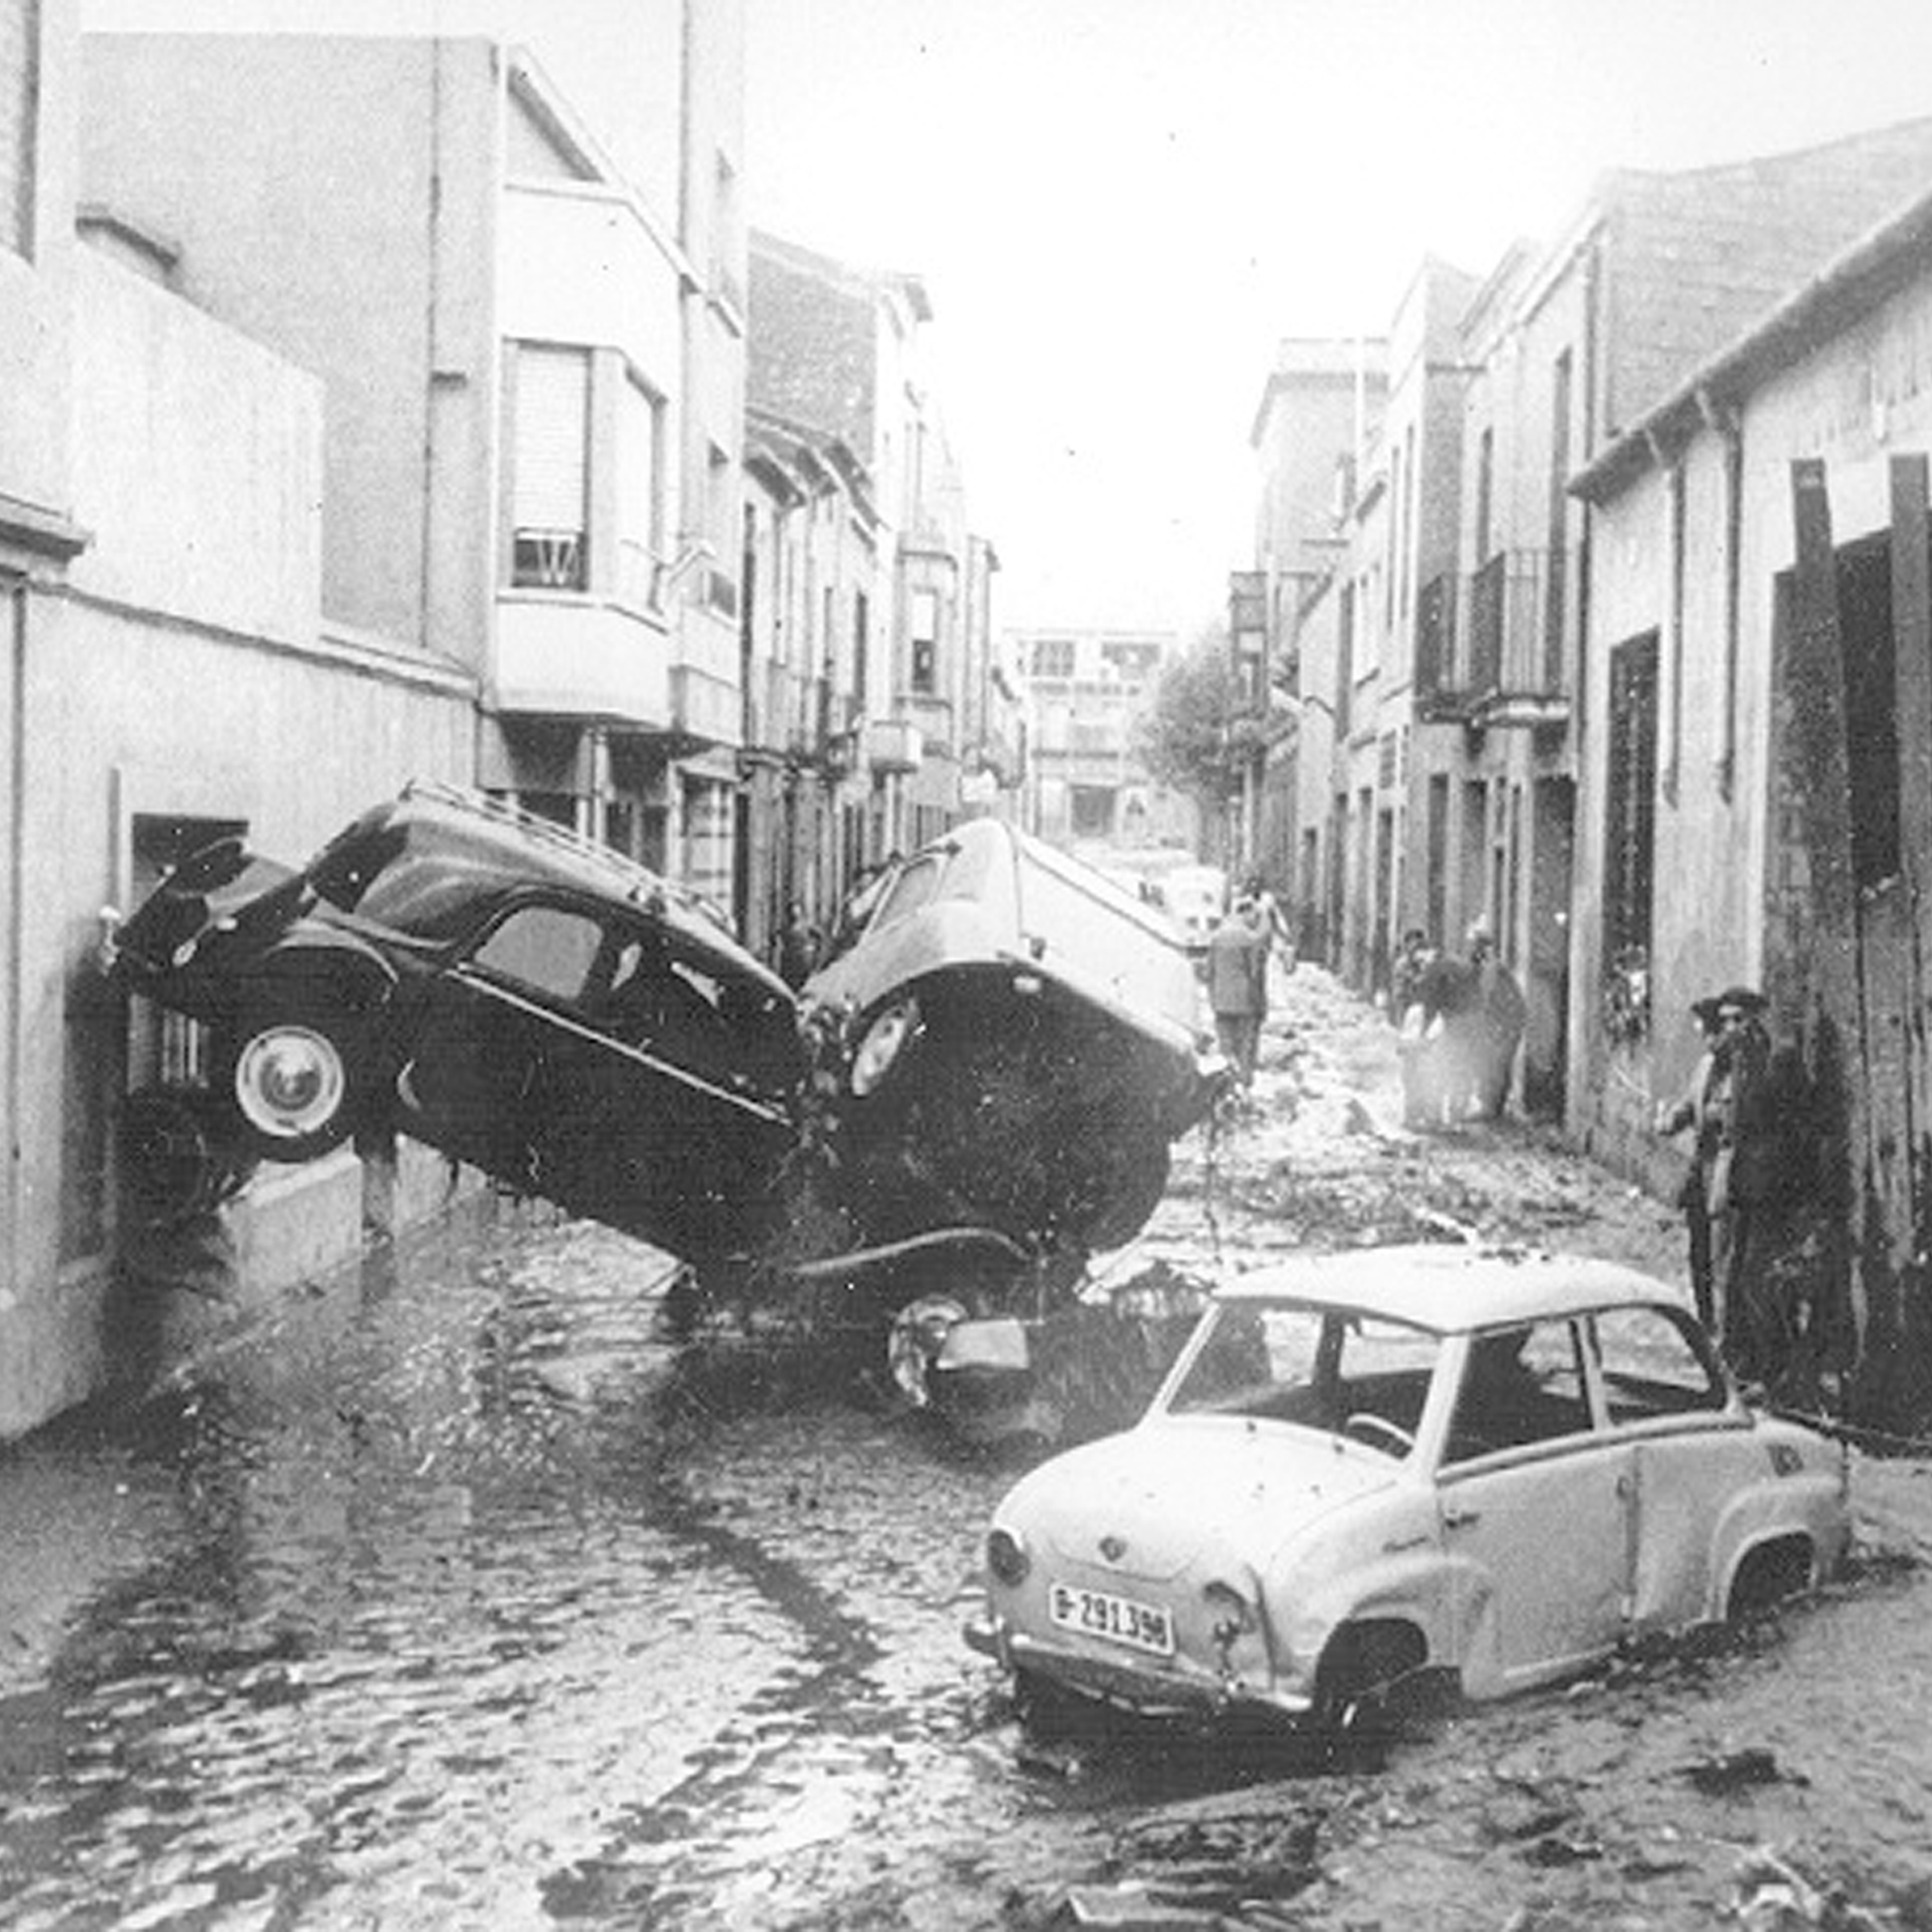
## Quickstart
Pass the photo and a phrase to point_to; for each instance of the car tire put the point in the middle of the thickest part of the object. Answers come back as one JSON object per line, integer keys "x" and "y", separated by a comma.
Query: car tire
{"x": 1769, "y": 1575}
{"x": 296, "y": 1071}
{"x": 1361, "y": 1673}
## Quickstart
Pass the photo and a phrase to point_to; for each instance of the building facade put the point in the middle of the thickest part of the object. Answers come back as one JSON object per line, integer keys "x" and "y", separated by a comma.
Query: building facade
{"x": 1085, "y": 693}
{"x": 1760, "y": 575}
{"x": 836, "y": 351}
{"x": 533, "y": 386}
{"x": 171, "y": 675}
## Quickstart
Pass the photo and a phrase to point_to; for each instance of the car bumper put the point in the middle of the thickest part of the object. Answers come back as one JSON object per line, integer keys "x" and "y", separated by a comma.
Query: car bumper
{"x": 1139, "y": 1689}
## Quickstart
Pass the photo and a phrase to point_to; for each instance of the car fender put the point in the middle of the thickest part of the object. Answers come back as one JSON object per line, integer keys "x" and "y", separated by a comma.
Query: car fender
{"x": 346, "y": 963}
{"x": 1770, "y": 1511}
{"x": 1389, "y": 1568}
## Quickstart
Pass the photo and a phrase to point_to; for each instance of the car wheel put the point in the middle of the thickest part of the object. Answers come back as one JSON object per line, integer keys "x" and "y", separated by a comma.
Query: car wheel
{"x": 1768, "y": 1576}
{"x": 296, "y": 1072}
{"x": 1362, "y": 1670}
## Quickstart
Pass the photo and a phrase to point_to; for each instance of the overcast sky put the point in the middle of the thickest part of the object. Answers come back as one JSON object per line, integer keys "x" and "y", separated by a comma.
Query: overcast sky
{"x": 1120, "y": 205}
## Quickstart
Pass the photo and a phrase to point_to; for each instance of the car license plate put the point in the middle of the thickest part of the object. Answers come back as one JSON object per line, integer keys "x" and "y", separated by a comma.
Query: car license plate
{"x": 1118, "y": 1619}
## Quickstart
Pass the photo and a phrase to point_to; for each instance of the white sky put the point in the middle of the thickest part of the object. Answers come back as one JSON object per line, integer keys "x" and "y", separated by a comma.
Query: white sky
{"x": 1120, "y": 205}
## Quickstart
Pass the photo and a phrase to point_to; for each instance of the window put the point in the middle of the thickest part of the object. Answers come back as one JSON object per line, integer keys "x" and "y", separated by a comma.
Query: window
{"x": 550, "y": 453}
{"x": 925, "y": 642}
{"x": 1486, "y": 465}
{"x": 1652, "y": 1367}
{"x": 545, "y": 949}
{"x": 1053, "y": 657}
{"x": 19, "y": 123}
{"x": 1630, "y": 804}
{"x": 640, "y": 490}
{"x": 1307, "y": 1365}
{"x": 1553, "y": 613}
{"x": 1521, "y": 1384}
{"x": 721, "y": 518}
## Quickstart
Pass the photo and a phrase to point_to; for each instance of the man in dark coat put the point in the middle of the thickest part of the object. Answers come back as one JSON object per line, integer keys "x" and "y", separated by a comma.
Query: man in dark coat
{"x": 1749, "y": 1184}
{"x": 1237, "y": 951}
{"x": 1496, "y": 1029}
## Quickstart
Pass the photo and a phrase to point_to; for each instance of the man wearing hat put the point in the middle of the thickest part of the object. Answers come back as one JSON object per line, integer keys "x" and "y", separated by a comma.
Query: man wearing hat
{"x": 1745, "y": 1181}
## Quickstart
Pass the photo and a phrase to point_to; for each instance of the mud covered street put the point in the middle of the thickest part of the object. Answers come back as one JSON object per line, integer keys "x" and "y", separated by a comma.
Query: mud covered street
{"x": 455, "y": 1596}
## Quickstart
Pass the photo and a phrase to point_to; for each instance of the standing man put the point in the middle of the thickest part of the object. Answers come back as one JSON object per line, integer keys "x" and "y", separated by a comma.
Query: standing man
{"x": 1748, "y": 1184}
{"x": 1496, "y": 1027}
{"x": 1237, "y": 987}
{"x": 1692, "y": 1111}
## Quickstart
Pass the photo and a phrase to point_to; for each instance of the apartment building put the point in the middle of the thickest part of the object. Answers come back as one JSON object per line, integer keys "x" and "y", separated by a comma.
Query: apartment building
{"x": 836, "y": 349}
{"x": 811, "y": 579}
{"x": 1449, "y": 641}
{"x": 532, "y": 365}
{"x": 1085, "y": 692}
{"x": 1321, "y": 495}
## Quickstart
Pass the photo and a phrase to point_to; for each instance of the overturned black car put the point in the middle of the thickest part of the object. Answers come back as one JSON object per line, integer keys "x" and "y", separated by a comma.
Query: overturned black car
{"x": 516, "y": 996}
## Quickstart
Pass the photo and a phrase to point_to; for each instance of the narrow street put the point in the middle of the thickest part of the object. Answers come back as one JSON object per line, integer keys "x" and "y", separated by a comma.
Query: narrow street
{"x": 453, "y": 1595}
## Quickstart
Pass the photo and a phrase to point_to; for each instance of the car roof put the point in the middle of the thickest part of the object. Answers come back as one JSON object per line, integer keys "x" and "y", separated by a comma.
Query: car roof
{"x": 516, "y": 844}
{"x": 1451, "y": 1288}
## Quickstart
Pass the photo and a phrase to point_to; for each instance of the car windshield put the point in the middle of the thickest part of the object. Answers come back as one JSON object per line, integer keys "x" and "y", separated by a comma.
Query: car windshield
{"x": 1294, "y": 1362}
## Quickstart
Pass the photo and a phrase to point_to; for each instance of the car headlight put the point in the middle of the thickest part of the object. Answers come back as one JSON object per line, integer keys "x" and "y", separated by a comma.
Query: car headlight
{"x": 884, "y": 1042}
{"x": 1007, "y": 1560}
{"x": 1233, "y": 1615}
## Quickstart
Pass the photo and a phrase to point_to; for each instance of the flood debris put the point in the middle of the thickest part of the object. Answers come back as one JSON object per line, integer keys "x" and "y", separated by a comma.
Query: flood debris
{"x": 1729, "y": 1772}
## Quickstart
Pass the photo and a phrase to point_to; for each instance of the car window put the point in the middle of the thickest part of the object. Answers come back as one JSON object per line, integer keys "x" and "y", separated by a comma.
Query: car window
{"x": 1653, "y": 1367}
{"x": 1521, "y": 1384}
{"x": 707, "y": 1020}
{"x": 549, "y": 949}
{"x": 1308, "y": 1365}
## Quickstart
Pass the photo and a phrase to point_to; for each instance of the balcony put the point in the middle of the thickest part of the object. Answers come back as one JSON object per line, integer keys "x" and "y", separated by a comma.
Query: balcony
{"x": 575, "y": 657}
{"x": 894, "y": 745}
{"x": 1508, "y": 674}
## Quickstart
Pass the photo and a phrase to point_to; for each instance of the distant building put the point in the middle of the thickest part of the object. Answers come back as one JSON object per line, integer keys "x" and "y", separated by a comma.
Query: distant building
{"x": 1085, "y": 692}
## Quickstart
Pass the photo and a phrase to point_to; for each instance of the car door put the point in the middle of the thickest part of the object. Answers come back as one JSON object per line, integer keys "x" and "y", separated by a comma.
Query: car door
{"x": 671, "y": 1117}
{"x": 480, "y": 1077}
{"x": 1665, "y": 1396}
{"x": 1534, "y": 1511}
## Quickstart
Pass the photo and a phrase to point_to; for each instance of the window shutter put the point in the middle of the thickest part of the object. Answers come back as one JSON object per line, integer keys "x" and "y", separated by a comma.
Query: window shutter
{"x": 553, "y": 411}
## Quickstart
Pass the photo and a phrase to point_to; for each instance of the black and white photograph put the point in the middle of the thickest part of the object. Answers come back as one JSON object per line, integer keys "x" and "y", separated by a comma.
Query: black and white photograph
{"x": 962, "y": 965}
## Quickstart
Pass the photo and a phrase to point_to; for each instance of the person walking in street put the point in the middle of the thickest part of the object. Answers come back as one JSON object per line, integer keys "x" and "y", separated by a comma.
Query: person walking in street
{"x": 1693, "y": 1113}
{"x": 1495, "y": 1031}
{"x": 1237, "y": 953}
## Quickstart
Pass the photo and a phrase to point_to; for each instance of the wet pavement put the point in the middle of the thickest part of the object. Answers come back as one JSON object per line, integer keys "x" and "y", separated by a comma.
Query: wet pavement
{"x": 452, "y": 1595}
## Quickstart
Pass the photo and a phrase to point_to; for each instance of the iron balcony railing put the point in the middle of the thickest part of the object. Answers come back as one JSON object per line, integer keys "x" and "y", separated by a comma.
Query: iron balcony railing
{"x": 1507, "y": 665}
